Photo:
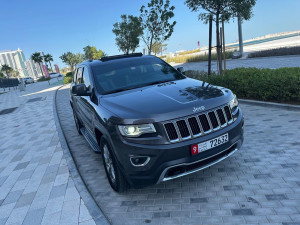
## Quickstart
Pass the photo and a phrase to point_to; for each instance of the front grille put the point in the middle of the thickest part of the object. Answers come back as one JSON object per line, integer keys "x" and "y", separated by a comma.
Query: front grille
{"x": 213, "y": 120}
{"x": 228, "y": 113}
{"x": 200, "y": 124}
{"x": 204, "y": 122}
{"x": 221, "y": 116}
{"x": 171, "y": 131}
{"x": 194, "y": 125}
{"x": 183, "y": 129}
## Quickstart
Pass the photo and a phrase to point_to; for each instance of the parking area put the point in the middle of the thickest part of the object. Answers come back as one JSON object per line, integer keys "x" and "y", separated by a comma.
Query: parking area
{"x": 259, "y": 184}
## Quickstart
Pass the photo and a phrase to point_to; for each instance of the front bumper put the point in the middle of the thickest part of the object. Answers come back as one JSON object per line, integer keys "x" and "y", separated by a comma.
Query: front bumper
{"x": 175, "y": 160}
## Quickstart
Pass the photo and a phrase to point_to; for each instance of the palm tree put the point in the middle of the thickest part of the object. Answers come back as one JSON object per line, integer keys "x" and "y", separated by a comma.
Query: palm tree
{"x": 37, "y": 58}
{"x": 7, "y": 69}
{"x": 48, "y": 58}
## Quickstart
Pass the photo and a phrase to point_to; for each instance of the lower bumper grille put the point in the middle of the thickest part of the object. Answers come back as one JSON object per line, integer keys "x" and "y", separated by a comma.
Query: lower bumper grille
{"x": 182, "y": 170}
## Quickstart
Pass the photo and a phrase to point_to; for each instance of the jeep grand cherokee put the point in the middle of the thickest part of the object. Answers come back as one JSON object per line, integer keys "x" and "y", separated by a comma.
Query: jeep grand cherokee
{"x": 150, "y": 122}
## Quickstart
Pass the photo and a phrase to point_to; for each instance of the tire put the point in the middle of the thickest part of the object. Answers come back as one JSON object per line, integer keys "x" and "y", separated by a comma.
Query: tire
{"x": 77, "y": 123}
{"x": 116, "y": 179}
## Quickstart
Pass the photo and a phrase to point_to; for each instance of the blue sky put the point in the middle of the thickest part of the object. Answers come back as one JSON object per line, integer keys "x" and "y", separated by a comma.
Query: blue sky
{"x": 59, "y": 26}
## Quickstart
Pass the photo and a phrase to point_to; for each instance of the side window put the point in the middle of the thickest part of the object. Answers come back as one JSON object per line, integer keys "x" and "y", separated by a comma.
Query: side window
{"x": 86, "y": 78}
{"x": 74, "y": 77}
{"x": 79, "y": 75}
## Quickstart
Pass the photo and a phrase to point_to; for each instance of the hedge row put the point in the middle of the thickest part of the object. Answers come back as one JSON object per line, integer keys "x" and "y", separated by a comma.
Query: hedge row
{"x": 278, "y": 85}
{"x": 276, "y": 52}
{"x": 43, "y": 78}
{"x": 195, "y": 58}
{"x": 68, "y": 78}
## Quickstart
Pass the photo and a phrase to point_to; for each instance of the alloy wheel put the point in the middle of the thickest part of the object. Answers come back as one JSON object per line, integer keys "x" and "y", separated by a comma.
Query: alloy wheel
{"x": 109, "y": 164}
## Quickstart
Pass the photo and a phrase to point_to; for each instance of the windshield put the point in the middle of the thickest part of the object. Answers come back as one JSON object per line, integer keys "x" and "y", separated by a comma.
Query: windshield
{"x": 130, "y": 73}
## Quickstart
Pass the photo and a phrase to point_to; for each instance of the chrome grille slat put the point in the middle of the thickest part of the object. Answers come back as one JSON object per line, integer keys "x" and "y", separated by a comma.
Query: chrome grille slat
{"x": 197, "y": 125}
{"x": 213, "y": 120}
{"x": 218, "y": 119}
{"x": 225, "y": 116}
{"x": 221, "y": 117}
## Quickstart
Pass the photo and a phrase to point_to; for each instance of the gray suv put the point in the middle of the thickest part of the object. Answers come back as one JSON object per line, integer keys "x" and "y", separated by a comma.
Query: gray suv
{"x": 150, "y": 122}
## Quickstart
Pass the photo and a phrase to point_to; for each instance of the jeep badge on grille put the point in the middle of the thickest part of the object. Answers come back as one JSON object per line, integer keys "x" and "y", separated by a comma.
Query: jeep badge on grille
{"x": 198, "y": 109}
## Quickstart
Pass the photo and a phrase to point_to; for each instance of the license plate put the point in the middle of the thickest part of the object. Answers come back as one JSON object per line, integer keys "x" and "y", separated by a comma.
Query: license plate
{"x": 209, "y": 144}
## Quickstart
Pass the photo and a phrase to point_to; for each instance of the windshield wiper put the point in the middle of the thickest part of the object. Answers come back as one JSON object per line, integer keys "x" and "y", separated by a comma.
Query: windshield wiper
{"x": 119, "y": 90}
{"x": 158, "y": 82}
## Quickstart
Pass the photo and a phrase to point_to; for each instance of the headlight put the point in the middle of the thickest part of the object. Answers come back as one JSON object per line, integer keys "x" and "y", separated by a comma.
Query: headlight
{"x": 233, "y": 103}
{"x": 136, "y": 130}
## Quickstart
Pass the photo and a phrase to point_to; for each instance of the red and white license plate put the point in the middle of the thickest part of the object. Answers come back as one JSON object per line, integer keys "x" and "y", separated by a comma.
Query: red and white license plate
{"x": 195, "y": 149}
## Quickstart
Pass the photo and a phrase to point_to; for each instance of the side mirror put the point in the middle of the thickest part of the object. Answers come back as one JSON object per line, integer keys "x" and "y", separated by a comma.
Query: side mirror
{"x": 181, "y": 70}
{"x": 80, "y": 90}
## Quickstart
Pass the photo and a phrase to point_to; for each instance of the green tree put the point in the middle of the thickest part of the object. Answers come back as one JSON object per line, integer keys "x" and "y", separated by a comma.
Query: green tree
{"x": 48, "y": 58}
{"x": 72, "y": 59}
{"x": 15, "y": 73}
{"x": 221, "y": 10}
{"x": 91, "y": 52}
{"x": 156, "y": 22}
{"x": 157, "y": 47}
{"x": 127, "y": 33}
{"x": 7, "y": 69}
{"x": 2, "y": 75}
{"x": 37, "y": 58}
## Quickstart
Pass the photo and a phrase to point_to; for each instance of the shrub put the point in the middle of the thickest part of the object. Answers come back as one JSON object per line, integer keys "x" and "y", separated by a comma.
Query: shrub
{"x": 68, "y": 78}
{"x": 43, "y": 78}
{"x": 276, "y": 52}
{"x": 189, "y": 52}
{"x": 69, "y": 74}
{"x": 279, "y": 85}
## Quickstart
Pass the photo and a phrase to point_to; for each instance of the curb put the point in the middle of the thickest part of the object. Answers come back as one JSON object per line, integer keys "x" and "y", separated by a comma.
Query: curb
{"x": 271, "y": 104}
{"x": 96, "y": 213}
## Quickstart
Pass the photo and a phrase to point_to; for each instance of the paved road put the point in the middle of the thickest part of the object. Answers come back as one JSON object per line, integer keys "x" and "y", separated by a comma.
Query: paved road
{"x": 263, "y": 62}
{"x": 260, "y": 184}
{"x": 35, "y": 183}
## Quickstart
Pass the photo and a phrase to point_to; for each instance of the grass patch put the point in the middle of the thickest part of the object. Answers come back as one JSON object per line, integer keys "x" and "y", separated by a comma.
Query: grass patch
{"x": 276, "y": 52}
{"x": 278, "y": 85}
{"x": 196, "y": 58}
{"x": 189, "y": 52}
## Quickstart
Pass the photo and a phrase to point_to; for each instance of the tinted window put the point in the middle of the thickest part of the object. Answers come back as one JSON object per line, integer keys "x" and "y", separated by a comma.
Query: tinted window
{"x": 117, "y": 75}
{"x": 79, "y": 76}
{"x": 86, "y": 78}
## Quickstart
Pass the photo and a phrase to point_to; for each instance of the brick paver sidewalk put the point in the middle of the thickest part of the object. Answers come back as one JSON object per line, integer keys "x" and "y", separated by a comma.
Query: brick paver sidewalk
{"x": 35, "y": 183}
{"x": 259, "y": 184}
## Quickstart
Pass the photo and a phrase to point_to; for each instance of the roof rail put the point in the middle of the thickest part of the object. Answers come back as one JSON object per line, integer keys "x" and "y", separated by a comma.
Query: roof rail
{"x": 108, "y": 58}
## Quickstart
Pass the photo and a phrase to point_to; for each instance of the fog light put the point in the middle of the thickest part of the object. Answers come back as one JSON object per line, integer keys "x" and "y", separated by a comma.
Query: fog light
{"x": 139, "y": 160}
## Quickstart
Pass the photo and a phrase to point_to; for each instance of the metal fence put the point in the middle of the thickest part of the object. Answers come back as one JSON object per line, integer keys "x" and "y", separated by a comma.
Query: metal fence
{"x": 9, "y": 83}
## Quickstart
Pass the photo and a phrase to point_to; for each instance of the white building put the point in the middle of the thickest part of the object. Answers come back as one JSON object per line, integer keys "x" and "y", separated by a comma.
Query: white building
{"x": 32, "y": 69}
{"x": 14, "y": 59}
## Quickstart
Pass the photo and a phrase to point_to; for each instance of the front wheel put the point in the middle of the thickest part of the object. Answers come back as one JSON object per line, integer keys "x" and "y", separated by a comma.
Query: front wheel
{"x": 115, "y": 177}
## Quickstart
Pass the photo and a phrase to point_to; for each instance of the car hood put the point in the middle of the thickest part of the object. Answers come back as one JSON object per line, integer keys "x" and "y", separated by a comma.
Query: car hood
{"x": 165, "y": 101}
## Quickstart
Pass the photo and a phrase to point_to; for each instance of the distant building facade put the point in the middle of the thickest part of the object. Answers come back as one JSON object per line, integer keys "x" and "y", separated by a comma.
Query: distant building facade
{"x": 32, "y": 69}
{"x": 14, "y": 59}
